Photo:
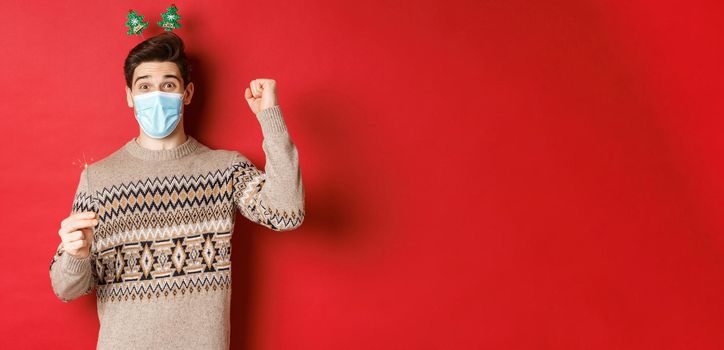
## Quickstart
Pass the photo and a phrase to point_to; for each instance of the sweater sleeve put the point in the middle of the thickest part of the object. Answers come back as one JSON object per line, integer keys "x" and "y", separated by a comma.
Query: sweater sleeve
{"x": 274, "y": 197}
{"x": 71, "y": 277}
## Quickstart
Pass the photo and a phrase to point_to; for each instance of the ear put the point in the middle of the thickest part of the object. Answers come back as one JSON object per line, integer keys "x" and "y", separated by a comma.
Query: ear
{"x": 189, "y": 93}
{"x": 129, "y": 97}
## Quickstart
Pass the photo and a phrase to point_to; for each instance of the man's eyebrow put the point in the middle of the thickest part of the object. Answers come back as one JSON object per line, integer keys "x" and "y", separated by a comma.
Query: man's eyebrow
{"x": 165, "y": 76}
{"x": 172, "y": 76}
{"x": 143, "y": 77}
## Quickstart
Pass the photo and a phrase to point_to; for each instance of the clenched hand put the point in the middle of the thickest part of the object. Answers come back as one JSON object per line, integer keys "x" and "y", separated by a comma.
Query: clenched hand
{"x": 76, "y": 233}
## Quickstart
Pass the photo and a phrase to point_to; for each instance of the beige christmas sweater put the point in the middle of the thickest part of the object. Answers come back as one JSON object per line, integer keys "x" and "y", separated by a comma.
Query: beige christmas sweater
{"x": 160, "y": 262}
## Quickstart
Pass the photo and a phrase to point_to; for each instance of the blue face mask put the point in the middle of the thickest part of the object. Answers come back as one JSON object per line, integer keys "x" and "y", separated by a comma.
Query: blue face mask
{"x": 158, "y": 112}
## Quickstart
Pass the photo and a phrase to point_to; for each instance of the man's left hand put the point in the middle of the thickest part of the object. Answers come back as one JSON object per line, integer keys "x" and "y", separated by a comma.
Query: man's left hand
{"x": 261, "y": 94}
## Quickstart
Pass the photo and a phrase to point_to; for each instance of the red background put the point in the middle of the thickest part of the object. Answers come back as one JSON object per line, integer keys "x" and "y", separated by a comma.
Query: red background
{"x": 479, "y": 174}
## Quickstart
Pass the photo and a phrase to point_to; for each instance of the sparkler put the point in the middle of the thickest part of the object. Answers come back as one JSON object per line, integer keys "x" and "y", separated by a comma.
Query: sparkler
{"x": 83, "y": 164}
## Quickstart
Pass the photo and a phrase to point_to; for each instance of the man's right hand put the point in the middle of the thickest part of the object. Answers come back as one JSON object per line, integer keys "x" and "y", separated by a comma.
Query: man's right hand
{"x": 76, "y": 233}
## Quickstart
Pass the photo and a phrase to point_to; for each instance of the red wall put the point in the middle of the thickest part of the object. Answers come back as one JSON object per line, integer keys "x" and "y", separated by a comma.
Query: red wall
{"x": 479, "y": 174}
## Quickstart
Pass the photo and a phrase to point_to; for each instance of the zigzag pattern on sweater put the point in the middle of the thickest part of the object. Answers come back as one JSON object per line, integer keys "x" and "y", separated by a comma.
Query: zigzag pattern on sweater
{"x": 135, "y": 226}
{"x": 170, "y": 287}
{"x": 241, "y": 185}
{"x": 154, "y": 226}
{"x": 248, "y": 184}
{"x": 164, "y": 194}
{"x": 83, "y": 201}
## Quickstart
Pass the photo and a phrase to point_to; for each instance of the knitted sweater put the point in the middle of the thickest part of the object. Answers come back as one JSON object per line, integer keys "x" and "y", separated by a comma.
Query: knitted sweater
{"x": 160, "y": 260}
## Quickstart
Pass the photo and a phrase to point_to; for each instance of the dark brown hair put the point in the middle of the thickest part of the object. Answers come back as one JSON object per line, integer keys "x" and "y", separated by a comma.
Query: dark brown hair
{"x": 164, "y": 47}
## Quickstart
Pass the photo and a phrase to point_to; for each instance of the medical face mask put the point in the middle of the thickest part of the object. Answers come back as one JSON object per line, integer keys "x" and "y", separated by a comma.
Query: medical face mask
{"x": 158, "y": 112}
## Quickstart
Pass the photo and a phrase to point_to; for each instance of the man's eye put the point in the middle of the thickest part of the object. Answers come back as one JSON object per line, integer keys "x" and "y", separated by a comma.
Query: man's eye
{"x": 170, "y": 85}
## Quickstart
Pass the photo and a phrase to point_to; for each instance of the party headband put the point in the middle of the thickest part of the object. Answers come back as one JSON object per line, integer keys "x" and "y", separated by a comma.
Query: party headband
{"x": 169, "y": 21}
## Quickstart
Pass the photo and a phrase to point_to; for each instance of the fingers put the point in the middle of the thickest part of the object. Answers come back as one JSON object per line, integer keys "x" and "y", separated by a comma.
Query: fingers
{"x": 77, "y": 224}
{"x": 72, "y": 236}
{"x": 76, "y": 234}
{"x": 73, "y": 225}
{"x": 79, "y": 215}
{"x": 259, "y": 85}
{"x": 255, "y": 88}
{"x": 76, "y": 245}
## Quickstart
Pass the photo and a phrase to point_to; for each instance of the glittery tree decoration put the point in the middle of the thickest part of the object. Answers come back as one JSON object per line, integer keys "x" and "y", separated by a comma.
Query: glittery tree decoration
{"x": 135, "y": 23}
{"x": 170, "y": 19}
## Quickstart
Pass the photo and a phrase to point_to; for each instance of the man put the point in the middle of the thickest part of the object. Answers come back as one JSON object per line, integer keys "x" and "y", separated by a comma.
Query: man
{"x": 151, "y": 224}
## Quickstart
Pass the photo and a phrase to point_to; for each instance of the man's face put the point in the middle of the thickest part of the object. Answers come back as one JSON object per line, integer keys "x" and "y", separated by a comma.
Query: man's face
{"x": 158, "y": 76}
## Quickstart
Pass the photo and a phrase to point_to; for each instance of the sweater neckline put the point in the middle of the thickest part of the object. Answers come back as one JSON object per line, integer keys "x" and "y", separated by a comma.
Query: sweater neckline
{"x": 180, "y": 151}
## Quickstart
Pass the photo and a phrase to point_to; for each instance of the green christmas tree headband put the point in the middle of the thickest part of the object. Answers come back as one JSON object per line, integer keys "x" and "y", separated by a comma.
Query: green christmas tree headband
{"x": 169, "y": 21}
